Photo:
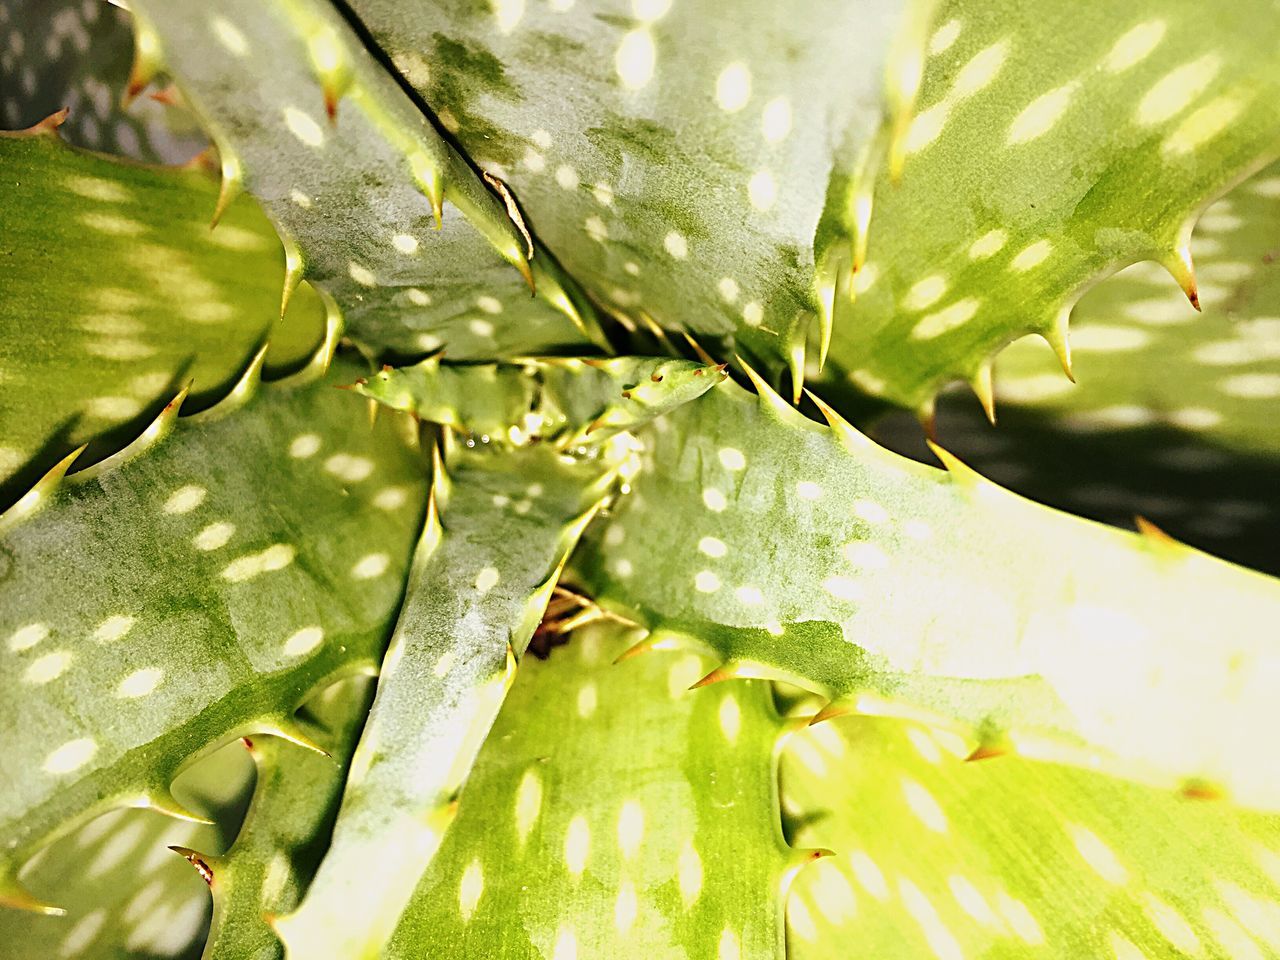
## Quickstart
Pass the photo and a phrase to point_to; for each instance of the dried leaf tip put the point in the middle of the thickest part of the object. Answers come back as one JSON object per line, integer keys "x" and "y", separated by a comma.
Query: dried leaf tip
{"x": 197, "y": 860}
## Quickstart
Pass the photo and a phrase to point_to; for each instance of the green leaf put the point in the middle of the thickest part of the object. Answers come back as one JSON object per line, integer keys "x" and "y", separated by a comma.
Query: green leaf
{"x": 1005, "y": 858}
{"x": 1054, "y": 144}
{"x": 810, "y": 554}
{"x": 613, "y": 813}
{"x": 126, "y": 895}
{"x": 155, "y": 606}
{"x": 353, "y": 194}
{"x": 68, "y": 53}
{"x": 694, "y": 176}
{"x": 117, "y": 294}
{"x": 495, "y": 540}
{"x": 562, "y": 399}
{"x": 285, "y": 830}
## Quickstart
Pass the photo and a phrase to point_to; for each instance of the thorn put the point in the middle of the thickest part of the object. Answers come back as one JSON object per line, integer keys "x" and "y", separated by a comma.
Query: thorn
{"x": 1180, "y": 266}
{"x": 981, "y": 384}
{"x": 795, "y": 363}
{"x": 197, "y": 860}
{"x": 726, "y": 671}
{"x": 845, "y": 432}
{"x": 1153, "y": 533}
{"x": 146, "y": 61}
{"x": 162, "y": 801}
{"x": 834, "y": 709}
{"x": 232, "y": 184}
{"x": 287, "y": 728}
{"x": 514, "y": 215}
{"x": 49, "y": 125}
{"x": 1197, "y": 788}
{"x": 14, "y": 894}
{"x": 766, "y": 393}
{"x": 331, "y": 102}
{"x": 928, "y": 422}
{"x": 293, "y": 269}
{"x": 170, "y": 96}
{"x": 1058, "y": 338}
{"x": 647, "y": 645}
{"x": 961, "y": 471}
{"x": 826, "y": 322}
{"x": 697, "y": 349}
{"x": 989, "y": 750}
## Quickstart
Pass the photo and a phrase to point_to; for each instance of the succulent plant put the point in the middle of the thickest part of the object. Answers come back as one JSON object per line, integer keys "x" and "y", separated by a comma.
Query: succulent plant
{"x": 590, "y": 618}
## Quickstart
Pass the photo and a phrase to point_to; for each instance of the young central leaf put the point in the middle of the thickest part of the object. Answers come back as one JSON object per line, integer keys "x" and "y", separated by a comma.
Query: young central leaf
{"x": 498, "y": 533}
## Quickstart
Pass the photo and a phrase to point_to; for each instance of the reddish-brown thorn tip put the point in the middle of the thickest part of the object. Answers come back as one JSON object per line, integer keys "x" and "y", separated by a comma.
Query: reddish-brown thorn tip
{"x": 988, "y": 751}
{"x": 718, "y": 675}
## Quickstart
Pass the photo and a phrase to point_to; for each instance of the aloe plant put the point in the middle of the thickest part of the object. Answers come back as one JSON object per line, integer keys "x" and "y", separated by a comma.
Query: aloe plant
{"x": 588, "y": 619}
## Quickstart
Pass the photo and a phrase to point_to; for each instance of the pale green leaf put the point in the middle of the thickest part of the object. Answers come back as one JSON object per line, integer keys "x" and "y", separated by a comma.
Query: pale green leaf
{"x": 613, "y": 813}
{"x": 811, "y": 554}
{"x": 941, "y": 859}
{"x": 491, "y": 552}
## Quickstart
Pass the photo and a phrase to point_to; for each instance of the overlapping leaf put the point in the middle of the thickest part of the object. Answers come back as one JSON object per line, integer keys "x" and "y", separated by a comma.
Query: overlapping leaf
{"x": 1053, "y": 144}
{"x": 812, "y": 554}
{"x": 76, "y": 54}
{"x": 481, "y": 578}
{"x": 353, "y": 193}
{"x": 116, "y": 294}
{"x": 612, "y": 813}
{"x": 691, "y": 164}
{"x": 285, "y": 830}
{"x": 196, "y": 590}
{"x": 125, "y": 894}
{"x": 940, "y": 858}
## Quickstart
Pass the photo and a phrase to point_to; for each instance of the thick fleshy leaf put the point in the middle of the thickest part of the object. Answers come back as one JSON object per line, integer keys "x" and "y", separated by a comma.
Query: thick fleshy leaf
{"x": 194, "y": 588}
{"x": 278, "y": 848}
{"x": 811, "y": 554}
{"x": 613, "y": 813}
{"x": 125, "y": 894}
{"x": 944, "y": 859}
{"x": 353, "y": 192}
{"x": 77, "y": 54}
{"x": 496, "y": 537}
{"x": 562, "y": 399}
{"x": 1054, "y": 144}
{"x": 116, "y": 294}
{"x": 692, "y": 164}
{"x": 1174, "y": 415}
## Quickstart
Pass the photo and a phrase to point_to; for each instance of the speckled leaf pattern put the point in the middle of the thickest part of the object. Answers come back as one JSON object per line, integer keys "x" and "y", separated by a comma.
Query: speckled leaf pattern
{"x": 691, "y": 163}
{"x": 125, "y": 893}
{"x": 286, "y": 828}
{"x": 77, "y": 54}
{"x": 945, "y": 860}
{"x": 194, "y": 589}
{"x": 496, "y": 536}
{"x": 1052, "y": 145}
{"x": 116, "y": 294}
{"x": 1173, "y": 417}
{"x": 613, "y": 813}
{"x": 566, "y": 400}
{"x": 353, "y": 195}
{"x": 1055, "y": 636}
